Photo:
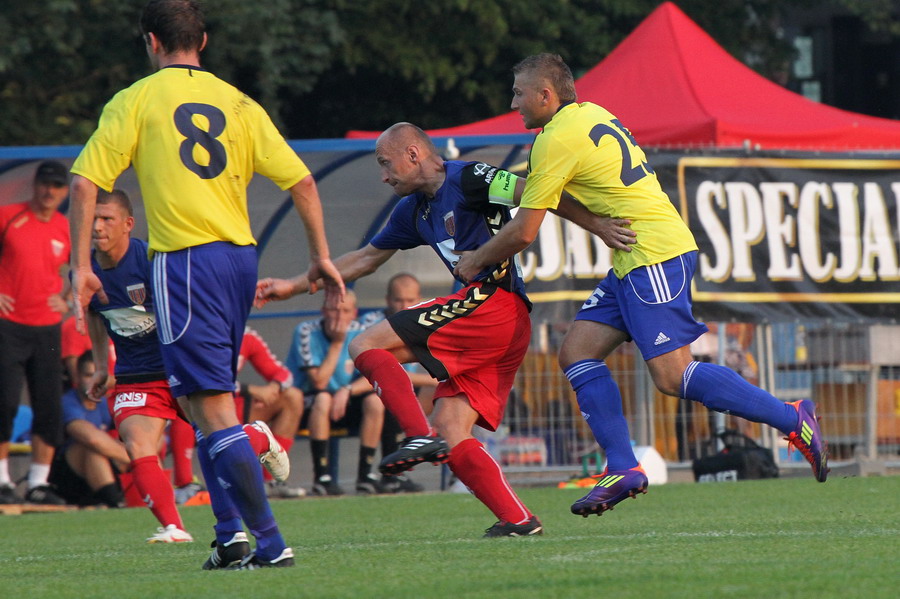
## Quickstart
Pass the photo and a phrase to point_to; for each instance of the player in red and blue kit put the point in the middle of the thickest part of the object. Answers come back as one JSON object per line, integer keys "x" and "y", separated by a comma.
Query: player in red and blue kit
{"x": 141, "y": 403}
{"x": 472, "y": 341}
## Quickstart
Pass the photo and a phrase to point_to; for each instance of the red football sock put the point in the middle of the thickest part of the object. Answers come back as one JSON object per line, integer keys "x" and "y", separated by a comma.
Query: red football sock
{"x": 258, "y": 439}
{"x": 286, "y": 442}
{"x": 478, "y": 470}
{"x": 155, "y": 490}
{"x": 182, "y": 442}
{"x": 392, "y": 384}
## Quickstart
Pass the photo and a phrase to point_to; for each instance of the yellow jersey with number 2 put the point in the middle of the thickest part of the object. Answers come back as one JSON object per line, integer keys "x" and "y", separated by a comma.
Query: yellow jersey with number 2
{"x": 195, "y": 142}
{"x": 587, "y": 152}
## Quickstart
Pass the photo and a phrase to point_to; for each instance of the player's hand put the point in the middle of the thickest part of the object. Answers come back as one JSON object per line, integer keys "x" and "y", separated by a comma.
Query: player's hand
{"x": 7, "y": 304}
{"x": 57, "y": 303}
{"x": 614, "y": 232}
{"x": 336, "y": 329}
{"x": 273, "y": 290}
{"x": 324, "y": 269}
{"x": 84, "y": 285}
{"x": 96, "y": 389}
{"x": 466, "y": 267}
{"x": 265, "y": 395}
{"x": 339, "y": 402}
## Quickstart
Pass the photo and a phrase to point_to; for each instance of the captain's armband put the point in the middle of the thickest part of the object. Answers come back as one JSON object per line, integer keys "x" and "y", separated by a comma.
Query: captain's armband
{"x": 502, "y": 189}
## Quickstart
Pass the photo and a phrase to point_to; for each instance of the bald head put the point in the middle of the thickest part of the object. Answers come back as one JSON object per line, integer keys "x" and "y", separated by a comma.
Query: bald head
{"x": 409, "y": 161}
{"x": 401, "y": 135}
{"x": 349, "y": 299}
{"x": 403, "y": 291}
{"x": 339, "y": 316}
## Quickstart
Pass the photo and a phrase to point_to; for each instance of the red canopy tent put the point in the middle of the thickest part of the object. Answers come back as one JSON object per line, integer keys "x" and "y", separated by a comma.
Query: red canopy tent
{"x": 672, "y": 85}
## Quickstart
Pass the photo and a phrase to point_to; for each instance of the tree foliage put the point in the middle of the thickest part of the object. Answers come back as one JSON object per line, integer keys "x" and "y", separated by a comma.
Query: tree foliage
{"x": 447, "y": 63}
{"x": 324, "y": 66}
{"x": 59, "y": 59}
{"x": 62, "y": 60}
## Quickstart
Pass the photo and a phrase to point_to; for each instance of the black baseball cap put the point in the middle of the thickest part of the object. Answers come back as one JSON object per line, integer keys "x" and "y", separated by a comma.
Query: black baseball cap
{"x": 51, "y": 171}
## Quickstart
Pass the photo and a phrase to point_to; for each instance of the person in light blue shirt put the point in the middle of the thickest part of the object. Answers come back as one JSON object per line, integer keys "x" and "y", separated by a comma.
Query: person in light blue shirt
{"x": 323, "y": 370}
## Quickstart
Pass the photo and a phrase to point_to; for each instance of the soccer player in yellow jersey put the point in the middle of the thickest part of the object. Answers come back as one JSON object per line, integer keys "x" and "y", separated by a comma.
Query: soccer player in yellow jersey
{"x": 195, "y": 142}
{"x": 585, "y": 151}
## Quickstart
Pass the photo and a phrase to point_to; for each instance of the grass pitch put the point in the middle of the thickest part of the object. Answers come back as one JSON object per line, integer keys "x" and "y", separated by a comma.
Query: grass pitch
{"x": 772, "y": 538}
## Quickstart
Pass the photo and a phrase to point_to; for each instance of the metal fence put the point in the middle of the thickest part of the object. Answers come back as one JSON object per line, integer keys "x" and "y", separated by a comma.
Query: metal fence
{"x": 851, "y": 371}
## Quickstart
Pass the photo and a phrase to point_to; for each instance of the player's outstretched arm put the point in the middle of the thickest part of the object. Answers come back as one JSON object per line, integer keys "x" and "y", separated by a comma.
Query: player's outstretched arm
{"x": 271, "y": 289}
{"x": 350, "y": 266}
{"x": 614, "y": 232}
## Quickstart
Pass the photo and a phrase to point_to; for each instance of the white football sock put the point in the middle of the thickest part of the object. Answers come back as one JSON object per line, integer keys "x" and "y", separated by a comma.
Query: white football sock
{"x": 4, "y": 472}
{"x": 37, "y": 475}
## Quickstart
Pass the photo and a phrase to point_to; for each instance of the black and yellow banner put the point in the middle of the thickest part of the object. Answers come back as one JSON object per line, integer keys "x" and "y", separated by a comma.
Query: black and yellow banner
{"x": 779, "y": 238}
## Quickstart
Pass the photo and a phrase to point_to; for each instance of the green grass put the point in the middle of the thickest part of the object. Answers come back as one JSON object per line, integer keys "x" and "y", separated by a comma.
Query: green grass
{"x": 773, "y": 538}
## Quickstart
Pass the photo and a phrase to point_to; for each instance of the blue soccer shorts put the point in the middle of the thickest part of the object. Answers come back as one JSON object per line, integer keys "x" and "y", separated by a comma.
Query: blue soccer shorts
{"x": 203, "y": 297}
{"x": 652, "y": 304}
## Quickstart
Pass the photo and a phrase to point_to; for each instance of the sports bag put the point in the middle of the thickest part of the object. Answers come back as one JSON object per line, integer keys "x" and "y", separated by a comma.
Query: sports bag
{"x": 741, "y": 458}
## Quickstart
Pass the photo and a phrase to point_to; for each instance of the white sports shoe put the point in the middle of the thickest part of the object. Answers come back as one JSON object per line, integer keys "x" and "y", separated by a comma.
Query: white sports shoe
{"x": 254, "y": 562}
{"x": 185, "y": 492}
{"x": 276, "y": 460}
{"x": 282, "y": 490}
{"x": 171, "y": 534}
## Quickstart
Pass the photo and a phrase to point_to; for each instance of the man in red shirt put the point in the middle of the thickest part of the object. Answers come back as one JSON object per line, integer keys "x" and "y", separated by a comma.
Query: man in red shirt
{"x": 73, "y": 345}
{"x": 34, "y": 246}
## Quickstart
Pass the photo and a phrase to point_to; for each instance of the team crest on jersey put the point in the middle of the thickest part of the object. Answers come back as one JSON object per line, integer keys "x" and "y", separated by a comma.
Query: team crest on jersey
{"x": 450, "y": 224}
{"x": 137, "y": 293}
{"x": 58, "y": 247}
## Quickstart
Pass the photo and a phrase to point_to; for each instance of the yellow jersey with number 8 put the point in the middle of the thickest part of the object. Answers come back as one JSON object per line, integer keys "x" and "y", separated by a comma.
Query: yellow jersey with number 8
{"x": 195, "y": 142}
{"x": 587, "y": 152}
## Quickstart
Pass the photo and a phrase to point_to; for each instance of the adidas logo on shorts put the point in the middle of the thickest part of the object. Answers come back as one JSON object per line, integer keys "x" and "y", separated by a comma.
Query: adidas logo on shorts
{"x": 660, "y": 339}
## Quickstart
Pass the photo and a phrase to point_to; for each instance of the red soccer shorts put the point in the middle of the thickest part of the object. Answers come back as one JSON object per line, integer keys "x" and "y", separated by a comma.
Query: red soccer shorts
{"x": 473, "y": 342}
{"x": 152, "y": 399}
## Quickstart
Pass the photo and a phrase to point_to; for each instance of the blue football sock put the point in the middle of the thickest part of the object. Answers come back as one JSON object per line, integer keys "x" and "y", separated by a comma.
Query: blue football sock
{"x": 228, "y": 520}
{"x": 601, "y": 405}
{"x": 723, "y": 390}
{"x": 238, "y": 469}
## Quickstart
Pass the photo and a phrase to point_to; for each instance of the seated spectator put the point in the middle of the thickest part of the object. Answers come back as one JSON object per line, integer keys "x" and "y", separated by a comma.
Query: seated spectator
{"x": 82, "y": 471}
{"x": 278, "y": 403}
{"x": 320, "y": 363}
